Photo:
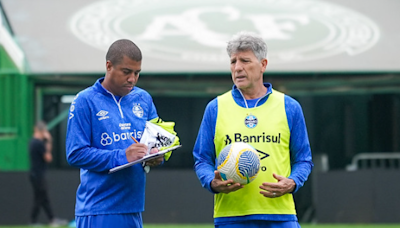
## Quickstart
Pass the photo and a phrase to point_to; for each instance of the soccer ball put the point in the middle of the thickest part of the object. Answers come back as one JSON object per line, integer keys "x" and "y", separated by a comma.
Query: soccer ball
{"x": 240, "y": 162}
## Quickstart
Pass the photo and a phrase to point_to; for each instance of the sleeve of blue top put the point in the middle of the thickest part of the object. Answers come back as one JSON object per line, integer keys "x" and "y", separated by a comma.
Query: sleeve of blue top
{"x": 301, "y": 159}
{"x": 204, "y": 151}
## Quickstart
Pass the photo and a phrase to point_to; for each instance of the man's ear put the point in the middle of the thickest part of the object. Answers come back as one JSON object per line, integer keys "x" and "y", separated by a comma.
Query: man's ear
{"x": 108, "y": 65}
{"x": 264, "y": 63}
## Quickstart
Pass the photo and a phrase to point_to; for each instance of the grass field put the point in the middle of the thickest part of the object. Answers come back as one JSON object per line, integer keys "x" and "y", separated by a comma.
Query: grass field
{"x": 211, "y": 226}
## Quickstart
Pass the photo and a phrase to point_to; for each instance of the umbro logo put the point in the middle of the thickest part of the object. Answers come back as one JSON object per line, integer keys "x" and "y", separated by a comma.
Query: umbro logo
{"x": 103, "y": 115}
{"x": 262, "y": 154}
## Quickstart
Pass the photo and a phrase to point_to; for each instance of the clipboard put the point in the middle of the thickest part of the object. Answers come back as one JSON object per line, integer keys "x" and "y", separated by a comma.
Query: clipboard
{"x": 145, "y": 158}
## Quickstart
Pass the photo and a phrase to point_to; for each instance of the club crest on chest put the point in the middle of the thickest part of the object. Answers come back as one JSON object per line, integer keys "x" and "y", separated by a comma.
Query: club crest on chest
{"x": 250, "y": 121}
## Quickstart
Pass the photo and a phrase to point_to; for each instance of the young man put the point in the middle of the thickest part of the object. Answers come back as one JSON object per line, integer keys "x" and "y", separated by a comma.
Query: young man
{"x": 102, "y": 121}
{"x": 268, "y": 200}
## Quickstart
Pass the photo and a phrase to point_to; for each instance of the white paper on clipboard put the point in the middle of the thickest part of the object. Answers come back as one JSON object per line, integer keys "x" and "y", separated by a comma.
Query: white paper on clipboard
{"x": 145, "y": 158}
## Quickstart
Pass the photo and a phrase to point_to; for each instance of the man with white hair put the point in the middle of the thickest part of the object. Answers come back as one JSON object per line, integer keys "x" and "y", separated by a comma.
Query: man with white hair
{"x": 268, "y": 200}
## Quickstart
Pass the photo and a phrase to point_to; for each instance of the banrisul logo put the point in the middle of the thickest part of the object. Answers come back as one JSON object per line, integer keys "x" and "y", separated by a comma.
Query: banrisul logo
{"x": 197, "y": 31}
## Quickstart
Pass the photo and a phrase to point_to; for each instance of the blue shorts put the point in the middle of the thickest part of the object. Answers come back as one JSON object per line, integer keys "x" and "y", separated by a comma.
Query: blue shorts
{"x": 260, "y": 224}
{"x": 105, "y": 221}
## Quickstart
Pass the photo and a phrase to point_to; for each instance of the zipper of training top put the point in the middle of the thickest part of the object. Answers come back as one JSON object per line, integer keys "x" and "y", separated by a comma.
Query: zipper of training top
{"x": 261, "y": 98}
{"x": 118, "y": 104}
{"x": 245, "y": 101}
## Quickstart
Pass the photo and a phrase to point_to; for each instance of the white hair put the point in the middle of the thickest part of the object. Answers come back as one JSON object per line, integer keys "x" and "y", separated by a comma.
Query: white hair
{"x": 244, "y": 41}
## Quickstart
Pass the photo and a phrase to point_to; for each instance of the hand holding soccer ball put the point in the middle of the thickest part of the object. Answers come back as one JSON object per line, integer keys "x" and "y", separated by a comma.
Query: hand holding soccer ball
{"x": 224, "y": 186}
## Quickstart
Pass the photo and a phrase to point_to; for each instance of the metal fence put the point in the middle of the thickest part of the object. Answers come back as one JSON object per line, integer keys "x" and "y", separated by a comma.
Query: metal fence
{"x": 378, "y": 160}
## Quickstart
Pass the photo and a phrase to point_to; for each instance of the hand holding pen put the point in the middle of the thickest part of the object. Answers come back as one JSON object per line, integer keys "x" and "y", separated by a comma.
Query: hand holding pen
{"x": 153, "y": 162}
{"x": 138, "y": 150}
{"x": 135, "y": 151}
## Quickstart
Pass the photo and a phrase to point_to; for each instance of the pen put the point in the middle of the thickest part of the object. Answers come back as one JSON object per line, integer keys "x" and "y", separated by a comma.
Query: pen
{"x": 134, "y": 139}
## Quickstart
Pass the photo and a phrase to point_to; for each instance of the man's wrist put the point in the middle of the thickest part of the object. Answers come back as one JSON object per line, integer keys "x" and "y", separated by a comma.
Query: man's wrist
{"x": 293, "y": 185}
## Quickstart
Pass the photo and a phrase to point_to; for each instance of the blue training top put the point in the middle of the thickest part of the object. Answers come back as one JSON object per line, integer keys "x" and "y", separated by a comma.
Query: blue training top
{"x": 300, "y": 152}
{"x": 99, "y": 130}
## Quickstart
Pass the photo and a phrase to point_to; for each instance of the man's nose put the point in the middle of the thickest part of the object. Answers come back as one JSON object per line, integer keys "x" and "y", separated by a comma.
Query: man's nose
{"x": 133, "y": 77}
{"x": 238, "y": 66}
